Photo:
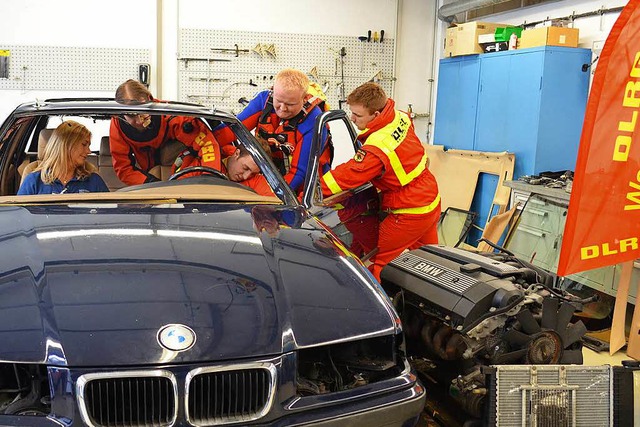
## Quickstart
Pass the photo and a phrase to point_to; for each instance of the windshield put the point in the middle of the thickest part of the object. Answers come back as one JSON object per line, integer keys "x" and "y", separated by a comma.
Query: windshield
{"x": 128, "y": 156}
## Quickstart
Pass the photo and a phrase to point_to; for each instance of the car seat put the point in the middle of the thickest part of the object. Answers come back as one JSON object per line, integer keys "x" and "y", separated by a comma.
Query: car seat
{"x": 169, "y": 151}
{"x": 43, "y": 138}
{"x": 105, "y": 166}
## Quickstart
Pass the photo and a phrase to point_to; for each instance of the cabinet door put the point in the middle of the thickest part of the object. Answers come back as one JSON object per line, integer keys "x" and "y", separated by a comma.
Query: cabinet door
{"x": 492, "y": 100}
{"x": 457, "y": 102}
{"x": 524, "y": 95}
{"x": 508, "y": 106}
{"x": 563, "y": 102}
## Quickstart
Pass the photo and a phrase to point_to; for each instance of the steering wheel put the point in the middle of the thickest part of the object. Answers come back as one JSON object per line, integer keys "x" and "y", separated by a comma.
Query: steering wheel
{"x": 202, "y": 169}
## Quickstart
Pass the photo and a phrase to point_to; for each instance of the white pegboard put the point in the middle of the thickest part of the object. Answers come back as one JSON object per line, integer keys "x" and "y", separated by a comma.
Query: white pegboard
{"x": 71, "y": 68}
{"x": 223, "y": 83}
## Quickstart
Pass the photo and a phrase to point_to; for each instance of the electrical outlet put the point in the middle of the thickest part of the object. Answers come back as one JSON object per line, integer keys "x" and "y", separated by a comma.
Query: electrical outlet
{"x": 597, "y": 46}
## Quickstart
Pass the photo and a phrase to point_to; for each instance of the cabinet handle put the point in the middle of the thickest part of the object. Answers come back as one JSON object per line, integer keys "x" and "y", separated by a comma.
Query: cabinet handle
{"x": 532, "y": 232}
{"x": 538, "y": 202}
{"x": 537, "y": 212}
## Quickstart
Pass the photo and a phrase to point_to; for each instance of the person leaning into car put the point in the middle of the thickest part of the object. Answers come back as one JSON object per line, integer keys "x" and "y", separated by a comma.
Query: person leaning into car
{"x": 393, "y": 159}
{"x": 284, "y": 117}
{"x": 64, "y": 167}
{"x": 134, "y": 139}
{"x": 239, "y": 167}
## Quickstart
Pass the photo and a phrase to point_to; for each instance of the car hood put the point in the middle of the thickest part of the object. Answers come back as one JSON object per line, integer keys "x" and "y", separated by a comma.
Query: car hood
{"x": 93, "y": 286}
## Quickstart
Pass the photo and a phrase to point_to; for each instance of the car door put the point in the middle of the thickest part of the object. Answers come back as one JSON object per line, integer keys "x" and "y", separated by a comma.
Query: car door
{"x": 345, "y": 143}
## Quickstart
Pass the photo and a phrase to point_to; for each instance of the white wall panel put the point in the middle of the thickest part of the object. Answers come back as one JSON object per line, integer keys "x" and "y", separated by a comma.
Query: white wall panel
{"x": 335, "y": 17}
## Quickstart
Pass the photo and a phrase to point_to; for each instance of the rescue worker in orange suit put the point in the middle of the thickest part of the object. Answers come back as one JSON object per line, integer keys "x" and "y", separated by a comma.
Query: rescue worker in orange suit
{"x": 135, "y": 139}
{"x": 285, "y": 118}
{"x": 239, "y": 167}
{"x": 392, "y": 158}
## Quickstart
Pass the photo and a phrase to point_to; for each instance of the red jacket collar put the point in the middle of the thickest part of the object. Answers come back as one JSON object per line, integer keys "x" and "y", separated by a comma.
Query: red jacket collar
{"x": 385, "y": 117}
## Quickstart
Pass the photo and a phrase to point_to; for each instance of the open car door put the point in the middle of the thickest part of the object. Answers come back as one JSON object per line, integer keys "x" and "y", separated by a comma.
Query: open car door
{"x": 345, "y": 143}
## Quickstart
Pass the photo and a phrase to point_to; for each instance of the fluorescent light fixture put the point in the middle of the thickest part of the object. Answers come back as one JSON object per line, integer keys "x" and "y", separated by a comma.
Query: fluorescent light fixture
{"x": 210, "y": 236}
{"x": 94, "y": 232}
{"x": 147, "y": 232}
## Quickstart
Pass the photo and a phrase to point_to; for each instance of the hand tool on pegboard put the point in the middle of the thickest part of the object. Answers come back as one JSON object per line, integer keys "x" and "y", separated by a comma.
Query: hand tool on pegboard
{"x": 259, "y": 50}
{"x": 381, "y": 40}
{"x": 270, "y": 49}
{"x": 4, "y": 63}
{"x": 207, "y": 79}
{"x": 336, "y": 57}
{"x": 362, "y": 40}
{"x": 314, "y": 73}
{"x": 343, "y": 98}
{"x": 235, "y": 50}
{"x": 187, "y": 60}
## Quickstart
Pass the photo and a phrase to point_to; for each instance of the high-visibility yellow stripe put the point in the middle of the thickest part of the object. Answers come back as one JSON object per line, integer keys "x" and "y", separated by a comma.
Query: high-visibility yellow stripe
{"x": 418, "y": 210}
{"x": 397, "y": 129}
{"x": 331, "y": 183}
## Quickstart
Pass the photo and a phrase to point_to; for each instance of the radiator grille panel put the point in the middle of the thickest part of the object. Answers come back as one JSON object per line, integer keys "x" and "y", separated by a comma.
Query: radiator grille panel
{"x": 550, "y": 408}
{"x": 553, "y": 396}
{"x": 130, "y": 401}
{"x": 229, "y": 396}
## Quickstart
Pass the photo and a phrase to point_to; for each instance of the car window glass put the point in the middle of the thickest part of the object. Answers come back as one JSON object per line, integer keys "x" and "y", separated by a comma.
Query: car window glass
{"x": 97, "y": 127}
{"x": 40, "y": 127}
{"x": 342, "y": 143}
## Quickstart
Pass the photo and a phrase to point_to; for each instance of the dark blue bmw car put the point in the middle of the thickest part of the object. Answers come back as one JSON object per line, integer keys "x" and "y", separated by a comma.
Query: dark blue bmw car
{"x": 186, "y": 302}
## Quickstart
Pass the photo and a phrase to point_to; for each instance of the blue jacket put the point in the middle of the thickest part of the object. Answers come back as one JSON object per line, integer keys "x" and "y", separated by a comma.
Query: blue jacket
{"x": 33, "y": 185}
{"x": 259, "y": 114}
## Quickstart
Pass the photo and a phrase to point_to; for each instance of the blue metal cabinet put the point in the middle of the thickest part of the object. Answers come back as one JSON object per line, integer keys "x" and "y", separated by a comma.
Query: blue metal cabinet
{"x": 458, "y": 83}
{"x": 531, "y": 102}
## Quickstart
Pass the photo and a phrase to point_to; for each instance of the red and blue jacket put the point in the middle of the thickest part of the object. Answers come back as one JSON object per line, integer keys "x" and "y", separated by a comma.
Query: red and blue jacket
{"x": 296, "y": 132}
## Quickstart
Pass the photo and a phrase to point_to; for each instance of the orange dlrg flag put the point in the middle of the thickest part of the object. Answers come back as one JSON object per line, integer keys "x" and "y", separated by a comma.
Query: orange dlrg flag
{"x": 603, "y": 224}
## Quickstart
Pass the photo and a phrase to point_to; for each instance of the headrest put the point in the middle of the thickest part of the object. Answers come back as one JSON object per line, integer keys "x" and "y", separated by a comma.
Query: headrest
{"x": 105, "y": 149}
{"x": 43, "y": 138}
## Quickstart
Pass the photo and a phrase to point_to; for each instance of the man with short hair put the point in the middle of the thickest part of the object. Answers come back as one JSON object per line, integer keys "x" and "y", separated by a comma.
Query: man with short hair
{"x": 393, "y": 159}
{"x": 284, "y": 117}
{"x": 135, "y": 139}
{"x": 242, "y": 168}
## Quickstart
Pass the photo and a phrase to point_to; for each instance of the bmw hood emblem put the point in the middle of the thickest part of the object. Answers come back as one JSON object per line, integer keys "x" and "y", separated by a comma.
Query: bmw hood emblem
{"x": 176, "y": 337}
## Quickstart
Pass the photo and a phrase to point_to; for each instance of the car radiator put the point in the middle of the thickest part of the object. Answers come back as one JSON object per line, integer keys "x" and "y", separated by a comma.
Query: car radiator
{"x": 551, "y": 396}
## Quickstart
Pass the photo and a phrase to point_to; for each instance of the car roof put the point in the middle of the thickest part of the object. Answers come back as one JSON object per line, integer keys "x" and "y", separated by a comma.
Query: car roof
{"x": 109, "y": 105}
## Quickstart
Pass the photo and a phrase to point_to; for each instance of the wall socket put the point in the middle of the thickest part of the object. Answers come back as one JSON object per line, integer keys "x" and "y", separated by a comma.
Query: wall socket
{"x": 597, "y": 46}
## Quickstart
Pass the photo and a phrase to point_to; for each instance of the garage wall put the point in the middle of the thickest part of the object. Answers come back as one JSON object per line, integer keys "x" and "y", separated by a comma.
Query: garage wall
{"x": 418, "y": 33}
{"x": 152, "y": 23}
{"x": 72, "y": 23}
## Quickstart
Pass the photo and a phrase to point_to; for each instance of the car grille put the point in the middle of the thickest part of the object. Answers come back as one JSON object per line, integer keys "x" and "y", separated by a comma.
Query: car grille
{"x": 128, "y": 399}
{"x": 229, "y": 394}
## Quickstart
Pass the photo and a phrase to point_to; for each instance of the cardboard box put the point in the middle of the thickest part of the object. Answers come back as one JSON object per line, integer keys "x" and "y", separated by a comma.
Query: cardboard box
{"x": 549, "y": 36}
{"x": 462, "y": 39}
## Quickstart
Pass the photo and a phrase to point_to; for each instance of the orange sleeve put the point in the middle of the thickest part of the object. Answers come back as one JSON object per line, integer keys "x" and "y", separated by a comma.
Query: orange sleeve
{"x": 352, "y": 174}
{"x": 194, "y": 133}
{"x": 225, "y": 136}
{"x": 259, "y": 184}
{"x": 122, "y": 158}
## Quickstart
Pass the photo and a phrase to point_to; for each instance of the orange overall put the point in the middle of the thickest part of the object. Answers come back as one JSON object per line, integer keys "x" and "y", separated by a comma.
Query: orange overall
{"x": 395, "y": 162}
{"x": 135, "y": 153}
